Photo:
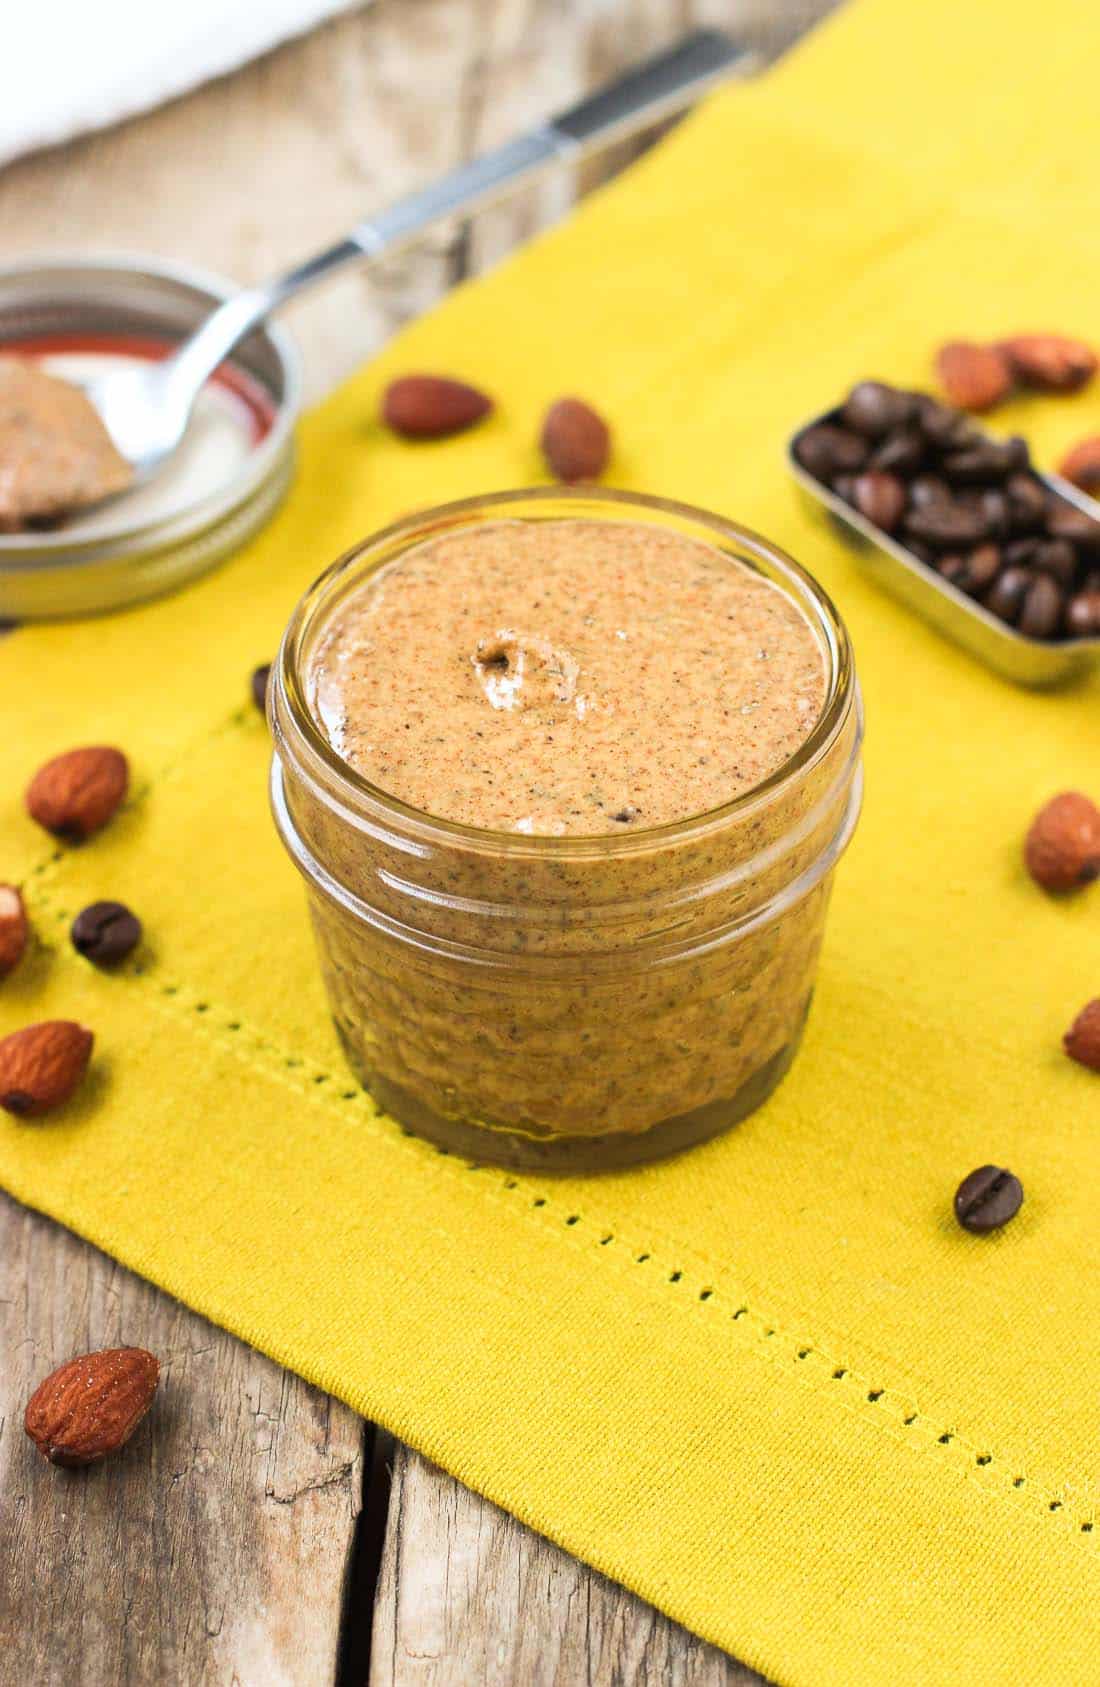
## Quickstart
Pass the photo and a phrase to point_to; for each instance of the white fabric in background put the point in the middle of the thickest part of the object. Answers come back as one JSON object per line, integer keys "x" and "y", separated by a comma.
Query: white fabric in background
{"x": 71, "y": 65}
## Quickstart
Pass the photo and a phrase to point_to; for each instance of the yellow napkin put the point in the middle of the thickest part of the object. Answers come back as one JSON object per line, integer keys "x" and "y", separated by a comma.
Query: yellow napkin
{"x": 769, "y": 1385}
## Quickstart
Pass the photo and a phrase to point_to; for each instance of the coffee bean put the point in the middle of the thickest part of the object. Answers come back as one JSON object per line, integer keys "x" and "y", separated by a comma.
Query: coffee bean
{"x": 901, "y": 452}
{"x": 1020, "y": 553}
{"x": 105, "y": 932}
{"x": 923, "y": 553}
{"x": 928, "y": 489}
{"x": 1057, "y": 558}
{"x": 988, "y": 1198}
{"x": 1083, "y": 615}
{"x": 941, "y": 426}
{"x": 1066, "y": 521}
{"x": 947, "y": 524}
{"x": 826, "y": 450}
{"x": 953, "y": 568}
{"x": 844, "y": 485}
{"x": 993, "y": 506}
{"x": 1042, "y": 608}
{"x": 1007, "y": 593}
{"x": 880, "y": 497}
{"x": 873, "y": 408}
{"x": 260, "y": 677}
{"x": 1027, "y": 502}
{"x": 982, "y": 568}
{"x": 989, "y": 459}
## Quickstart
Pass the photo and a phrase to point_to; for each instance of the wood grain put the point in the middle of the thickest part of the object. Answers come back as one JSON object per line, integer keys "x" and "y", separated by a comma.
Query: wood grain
{"x": 467, "y": 1594}
{"x": 216, "y": 1548}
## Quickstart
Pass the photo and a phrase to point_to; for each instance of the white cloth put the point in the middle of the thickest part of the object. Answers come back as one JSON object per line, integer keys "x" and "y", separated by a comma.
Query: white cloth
{"x": 72, "y": 65}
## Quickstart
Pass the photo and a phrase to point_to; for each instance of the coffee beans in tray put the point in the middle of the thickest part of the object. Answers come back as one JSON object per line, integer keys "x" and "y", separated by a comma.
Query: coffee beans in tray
{"x": 962, "y": 527}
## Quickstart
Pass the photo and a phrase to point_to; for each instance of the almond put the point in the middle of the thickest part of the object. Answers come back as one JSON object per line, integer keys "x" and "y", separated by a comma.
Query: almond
{"x": 1049, "y": 361}
{"x": 91, "y": 1406}
{"x": 1062, "y": 849}
{"x": 13, "y": 929}
{"x": 41, "y": 1066}
{"x": 77, "y": 793}
{"x": 974, "y": 377}
{"x": 576, "y": 442}
{"x": 432, "y": 406}
{"x": 1081, "y": 465}
{"x": 1082, "y": 1041}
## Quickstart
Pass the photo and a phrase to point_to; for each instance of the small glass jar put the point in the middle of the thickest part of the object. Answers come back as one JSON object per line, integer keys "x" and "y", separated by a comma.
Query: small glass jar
{"x": 567, "y": 1002}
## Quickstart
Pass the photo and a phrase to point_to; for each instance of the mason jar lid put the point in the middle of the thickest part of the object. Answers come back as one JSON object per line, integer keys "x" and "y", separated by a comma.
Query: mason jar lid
{"x": 226, "y": 481}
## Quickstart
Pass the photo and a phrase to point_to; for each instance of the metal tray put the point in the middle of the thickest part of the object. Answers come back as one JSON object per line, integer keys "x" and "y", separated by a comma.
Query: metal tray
{"x": 1025, "y": 661}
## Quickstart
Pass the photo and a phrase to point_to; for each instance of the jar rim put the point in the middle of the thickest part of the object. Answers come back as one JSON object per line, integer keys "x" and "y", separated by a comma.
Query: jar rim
{"x": 291, "y": 714}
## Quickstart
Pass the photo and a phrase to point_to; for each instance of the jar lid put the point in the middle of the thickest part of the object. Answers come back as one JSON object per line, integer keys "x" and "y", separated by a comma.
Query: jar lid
{"x": 225, "y": 482}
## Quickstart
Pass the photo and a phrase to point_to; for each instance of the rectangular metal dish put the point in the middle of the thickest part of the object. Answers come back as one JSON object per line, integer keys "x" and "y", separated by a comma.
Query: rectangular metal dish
{"x": 1025, "y": 661}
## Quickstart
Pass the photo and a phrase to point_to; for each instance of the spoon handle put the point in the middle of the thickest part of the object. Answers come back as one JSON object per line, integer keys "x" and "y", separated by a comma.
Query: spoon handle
{"x": 655, "y": 90}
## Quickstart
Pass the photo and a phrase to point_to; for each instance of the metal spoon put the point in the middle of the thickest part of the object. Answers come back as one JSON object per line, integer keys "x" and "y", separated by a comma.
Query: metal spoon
{"x": 146, "y": 407}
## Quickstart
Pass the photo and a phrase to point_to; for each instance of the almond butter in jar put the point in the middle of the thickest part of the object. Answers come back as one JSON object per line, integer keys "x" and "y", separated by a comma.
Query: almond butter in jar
{"x": 567, "y": 776}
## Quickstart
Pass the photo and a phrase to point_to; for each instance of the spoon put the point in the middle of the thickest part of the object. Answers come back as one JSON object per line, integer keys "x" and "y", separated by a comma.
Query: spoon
{"x": 146, "y": 407}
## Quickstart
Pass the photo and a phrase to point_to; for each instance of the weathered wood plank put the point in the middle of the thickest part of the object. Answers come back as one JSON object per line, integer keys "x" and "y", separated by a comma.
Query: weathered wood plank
{"x": 214, "y": 1548}
{"x": 467, "y": 1594}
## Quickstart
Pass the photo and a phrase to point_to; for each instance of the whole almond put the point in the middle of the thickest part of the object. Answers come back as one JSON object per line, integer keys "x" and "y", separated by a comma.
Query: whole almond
{"x": 432, "y": 406}
{"x": 1081, "y": 464}
{"x": 974, "y": 377}
{"x": 77, "y": 793}
{"x": 1082, "y": 1041}
{"x": 576, "y": 442}
{"x": 1062, "y": 849}
{"x": 42, "y": 1065}
{"x": 13, "y": 929}
{"x": 1050, "y": 362}
{"x": 91, "y": 1406}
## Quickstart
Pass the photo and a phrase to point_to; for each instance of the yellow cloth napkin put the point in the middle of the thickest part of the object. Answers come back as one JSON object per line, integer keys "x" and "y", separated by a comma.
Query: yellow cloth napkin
{"x": 769, "y": 1385}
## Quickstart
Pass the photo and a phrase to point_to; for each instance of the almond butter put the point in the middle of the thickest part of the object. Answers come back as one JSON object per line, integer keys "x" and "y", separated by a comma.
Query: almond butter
{"x": 432, "y": 406}
{"x": 14, "y": 929}
{"x": 1050, "y": 362}
{"x": 576, "y": 441}
{"x": 42, "y": 1065}
{"x": 1082, "y": 1041}
{"x": 75, "y": 794}
{"x": 91, "y": 1406}
{"x": 1062, "y": 849}
{"x": 1081, "y": 465}
{"x": 974, "y": 377}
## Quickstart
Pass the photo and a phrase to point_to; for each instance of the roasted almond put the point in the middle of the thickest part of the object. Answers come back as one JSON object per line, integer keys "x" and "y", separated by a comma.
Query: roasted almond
{"x": 14, "y": 929}
{"x": 75, "y": 794}
{"x": 42, "y": 1065}
{"x": 1050, "y": 362}
{"x": 576, "y": 442}
{"x": 974, "y": 377}
{"x": 1082, "y": 1041}
{"x": 1062, "y": 849}
{"x": 91, "y": 1406}
{"x": 1081, "y": 464}
{"x": 432, "y": 406}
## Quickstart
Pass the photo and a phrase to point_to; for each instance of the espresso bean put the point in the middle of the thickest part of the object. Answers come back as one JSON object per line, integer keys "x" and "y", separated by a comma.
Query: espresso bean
{"x": 941, "y": 426}
{"x": 989, "y": 459}
{"x": 844, "y": 485}
{"x": 947, "y": 525}
{"x": 1041, "y": 612}
{"x": 260, "y": 677}
{"x": 826, "y": 450}
{"x": 1066, "y": 521}
{"x": 993, "y": 506}
{"x": 923, "y": 553}
{"x": 982, "y": 567}
{"x": 105, "y": 932}
{"x": 1027, "y": 502}
{"x": 988, "y": 1198}
{"x": 1083, "y": 615}
{"x": 1007, "y": 593}
{"x": 928, "y": 489}
{"x": 1019, "y": 553}
{"x": 953, "y": 568}
{"x": 1057, "y": 558}
{"x": 873, "y": 408}
{"x": 881, "y": 498}
{"x": 901, "y": 452}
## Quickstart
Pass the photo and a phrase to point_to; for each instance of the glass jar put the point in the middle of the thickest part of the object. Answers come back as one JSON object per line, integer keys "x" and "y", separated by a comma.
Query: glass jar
{"x": 567, "y": 1002}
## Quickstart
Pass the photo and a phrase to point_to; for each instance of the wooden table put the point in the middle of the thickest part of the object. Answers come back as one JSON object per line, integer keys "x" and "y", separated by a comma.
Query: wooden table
{"x": 257, "y": 1532}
